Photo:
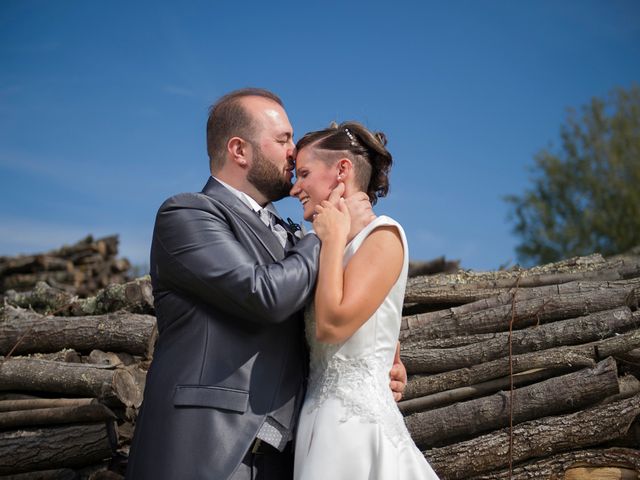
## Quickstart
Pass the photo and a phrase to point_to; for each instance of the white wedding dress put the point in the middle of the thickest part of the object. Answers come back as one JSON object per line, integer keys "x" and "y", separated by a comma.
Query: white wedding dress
{"x": 350, "y": 427}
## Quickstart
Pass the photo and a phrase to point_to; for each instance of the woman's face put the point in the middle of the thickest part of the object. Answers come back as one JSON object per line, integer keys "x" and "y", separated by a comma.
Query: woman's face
{"x": 315, "y": 179}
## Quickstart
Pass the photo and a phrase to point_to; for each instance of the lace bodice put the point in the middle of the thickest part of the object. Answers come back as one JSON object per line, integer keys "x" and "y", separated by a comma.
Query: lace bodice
{"x": 357, "y": 370}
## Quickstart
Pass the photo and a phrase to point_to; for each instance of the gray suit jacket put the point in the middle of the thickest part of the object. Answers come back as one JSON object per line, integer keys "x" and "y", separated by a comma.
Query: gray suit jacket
{"x": 230, "y": 348}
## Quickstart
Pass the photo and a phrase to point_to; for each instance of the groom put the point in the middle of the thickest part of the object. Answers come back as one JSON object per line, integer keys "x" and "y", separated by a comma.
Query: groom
{"x": 230, "y": 282}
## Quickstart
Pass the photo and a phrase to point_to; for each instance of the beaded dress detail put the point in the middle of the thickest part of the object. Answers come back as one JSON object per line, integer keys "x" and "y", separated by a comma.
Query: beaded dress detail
{"x": 350, "y": 426}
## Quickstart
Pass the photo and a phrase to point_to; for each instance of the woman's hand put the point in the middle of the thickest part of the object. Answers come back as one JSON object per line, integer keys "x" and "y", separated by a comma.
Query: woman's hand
{"x": 332, "y": 222}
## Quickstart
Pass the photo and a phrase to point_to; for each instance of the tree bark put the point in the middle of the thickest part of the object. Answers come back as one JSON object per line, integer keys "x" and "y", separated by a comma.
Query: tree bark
{"x": 55, "y": 447}
{"x": 38, "y": 403}
{"x": 550, "y": 397}
{"x": 527, "y": 313}
{"x": 23, "y": 331}
{"x": 521, "y": 294}
{"x": 42, "y": 298}
{"x": 566, "y": 356}
{"x": 566, "y": 332}
{"x": 57, "y": 474}
{"x": 464, "y": 287}
{"x": 33, "y": 375}
{"x": 557, "y": 358}
{"x": 556, "y": 465}
{"x": 447, "y": 397}
{"x": 55, "y": 416}
{"x": 134, "y": 296}
{"x": 534, "y": 439}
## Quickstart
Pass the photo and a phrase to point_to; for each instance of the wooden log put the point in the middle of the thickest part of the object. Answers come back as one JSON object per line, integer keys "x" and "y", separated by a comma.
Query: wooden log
{"x": 555, "y": 466}
{"x": 577, "y": 355}
{"x": 135, "y": 296}
{"x": 550, "y": 397}
{"x": 34, "y": 375}
{"x": 439, "y": 399}
{"x": 35, "y": 263}
{"x": 92, "y": 413}
{"x": 466, "y": 286}
{"x": 558, "y": 358}
{"x": 66, "y": 355}
{"x": 534, "y": 439}
{"x": 24, "y": 331}
{"x": 38, "y": 403}
{"x": 22, "y": 281}
{"x": 507, "y": 298}
{"x": 566, "y": 332}
{"x": 628, "y": 386}
{"x": 529, "y": 312}
{"x": 43, "y": 298}
{"x": 57, "y": 474}
{"x": 55, "y": 447}
{"x": 600, "y": 473}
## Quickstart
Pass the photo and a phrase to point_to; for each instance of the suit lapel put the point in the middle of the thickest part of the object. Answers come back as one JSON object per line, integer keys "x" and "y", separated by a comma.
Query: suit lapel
{"x": 263, "y": 234}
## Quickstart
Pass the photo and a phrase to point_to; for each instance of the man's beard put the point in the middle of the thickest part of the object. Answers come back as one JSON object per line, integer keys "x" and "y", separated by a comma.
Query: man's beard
{"x": 266, "y": 177}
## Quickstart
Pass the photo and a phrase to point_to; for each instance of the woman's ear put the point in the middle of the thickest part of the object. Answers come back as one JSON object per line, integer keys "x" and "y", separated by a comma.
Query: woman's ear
{"x": 345, "y": 168}
{"x": 238, "y": 151}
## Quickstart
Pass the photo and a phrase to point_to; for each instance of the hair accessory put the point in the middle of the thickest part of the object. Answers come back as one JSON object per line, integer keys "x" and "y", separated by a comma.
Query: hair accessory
{"x": 351, "y": 137}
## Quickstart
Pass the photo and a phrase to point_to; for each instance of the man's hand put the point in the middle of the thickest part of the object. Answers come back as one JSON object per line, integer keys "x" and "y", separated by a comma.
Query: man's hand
{"x": 359, "y": 209}
{"x": 398, "y": 375}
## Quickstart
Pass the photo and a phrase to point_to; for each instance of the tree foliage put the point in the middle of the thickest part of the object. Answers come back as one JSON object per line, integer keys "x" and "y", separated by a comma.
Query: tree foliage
{"x": 585, "y": 197}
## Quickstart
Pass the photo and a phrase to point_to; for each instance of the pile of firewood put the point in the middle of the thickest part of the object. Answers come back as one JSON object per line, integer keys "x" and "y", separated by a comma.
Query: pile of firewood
{"x": 532, "y": 371}
{"x": 526, "y": 374}
{"x": 82, "y": 268}
{"x": 72, "y": 379}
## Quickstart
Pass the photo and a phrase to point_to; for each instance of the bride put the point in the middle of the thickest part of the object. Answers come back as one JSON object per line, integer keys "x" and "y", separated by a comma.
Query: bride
{"x": 350, "y": 426}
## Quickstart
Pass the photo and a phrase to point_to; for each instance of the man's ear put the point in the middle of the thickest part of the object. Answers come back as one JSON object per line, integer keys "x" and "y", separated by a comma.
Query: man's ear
{"x": 238, "y": 150}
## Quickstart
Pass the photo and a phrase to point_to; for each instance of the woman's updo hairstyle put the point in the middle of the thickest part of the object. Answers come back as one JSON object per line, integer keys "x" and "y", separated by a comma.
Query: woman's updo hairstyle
{"x": 365, "y": 149}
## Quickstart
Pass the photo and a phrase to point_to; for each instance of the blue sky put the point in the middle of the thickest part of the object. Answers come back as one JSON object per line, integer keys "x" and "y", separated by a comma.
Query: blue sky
{"x": 103, "y": 104}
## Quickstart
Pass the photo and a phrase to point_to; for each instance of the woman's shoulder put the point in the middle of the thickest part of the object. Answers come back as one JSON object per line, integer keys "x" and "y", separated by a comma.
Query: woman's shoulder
{"x": 379, "y": 221}
{"x": 382, "y": 221}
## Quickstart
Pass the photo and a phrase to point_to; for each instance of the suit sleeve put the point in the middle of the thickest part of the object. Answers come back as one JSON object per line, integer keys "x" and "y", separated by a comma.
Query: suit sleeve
{"x": 196, "y": 252}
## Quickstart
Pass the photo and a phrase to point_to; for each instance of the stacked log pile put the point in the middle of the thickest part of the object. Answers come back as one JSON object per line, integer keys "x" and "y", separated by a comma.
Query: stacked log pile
{"x": 533, "y": 371}
{"x": 72, "y": 379}
{"x": 526, "y": 374}
{"x": 82, "y": 268}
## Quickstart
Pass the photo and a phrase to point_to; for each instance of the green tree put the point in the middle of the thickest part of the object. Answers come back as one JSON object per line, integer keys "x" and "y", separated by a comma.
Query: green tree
{"x": 585, "y": 197}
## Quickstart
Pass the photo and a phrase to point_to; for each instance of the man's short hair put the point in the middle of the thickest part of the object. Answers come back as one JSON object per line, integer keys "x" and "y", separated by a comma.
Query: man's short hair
{"x": 228, "y": 118}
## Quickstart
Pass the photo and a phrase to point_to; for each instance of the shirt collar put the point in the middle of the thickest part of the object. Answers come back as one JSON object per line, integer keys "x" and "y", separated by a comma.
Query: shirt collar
{"x": 247, "y": 200}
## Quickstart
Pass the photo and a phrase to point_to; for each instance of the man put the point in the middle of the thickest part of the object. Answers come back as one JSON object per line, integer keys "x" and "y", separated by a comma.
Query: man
{"x": 230, "y": 282}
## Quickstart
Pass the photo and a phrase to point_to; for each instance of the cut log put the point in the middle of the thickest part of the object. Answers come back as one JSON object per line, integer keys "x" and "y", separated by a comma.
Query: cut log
{"x": 521, "y": 294}
{"x": 57, "y": 474}
{"x": 557, "y": 358}
{"x": 135, "y": 296}
{"x": 466, "y": 286}
{"x": 528, "y": 312}
{"x": 55, "y": 447}
{"x": 626, "y": 459}
{"x": 569, "y": 356}
{"x": 67, "y": 355}
{"x": 566, "y": 332}
{"x": 42, "y": 298}
{"x": 24, "y": 331}
{"x": 550, "y": 397}
{"x": 34, "y": 375}
{"x": 534, "y": 439}
{"x": 37, "y": 403}
{"x": 439, "y": 399}
{"x": 55, "y": 416}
